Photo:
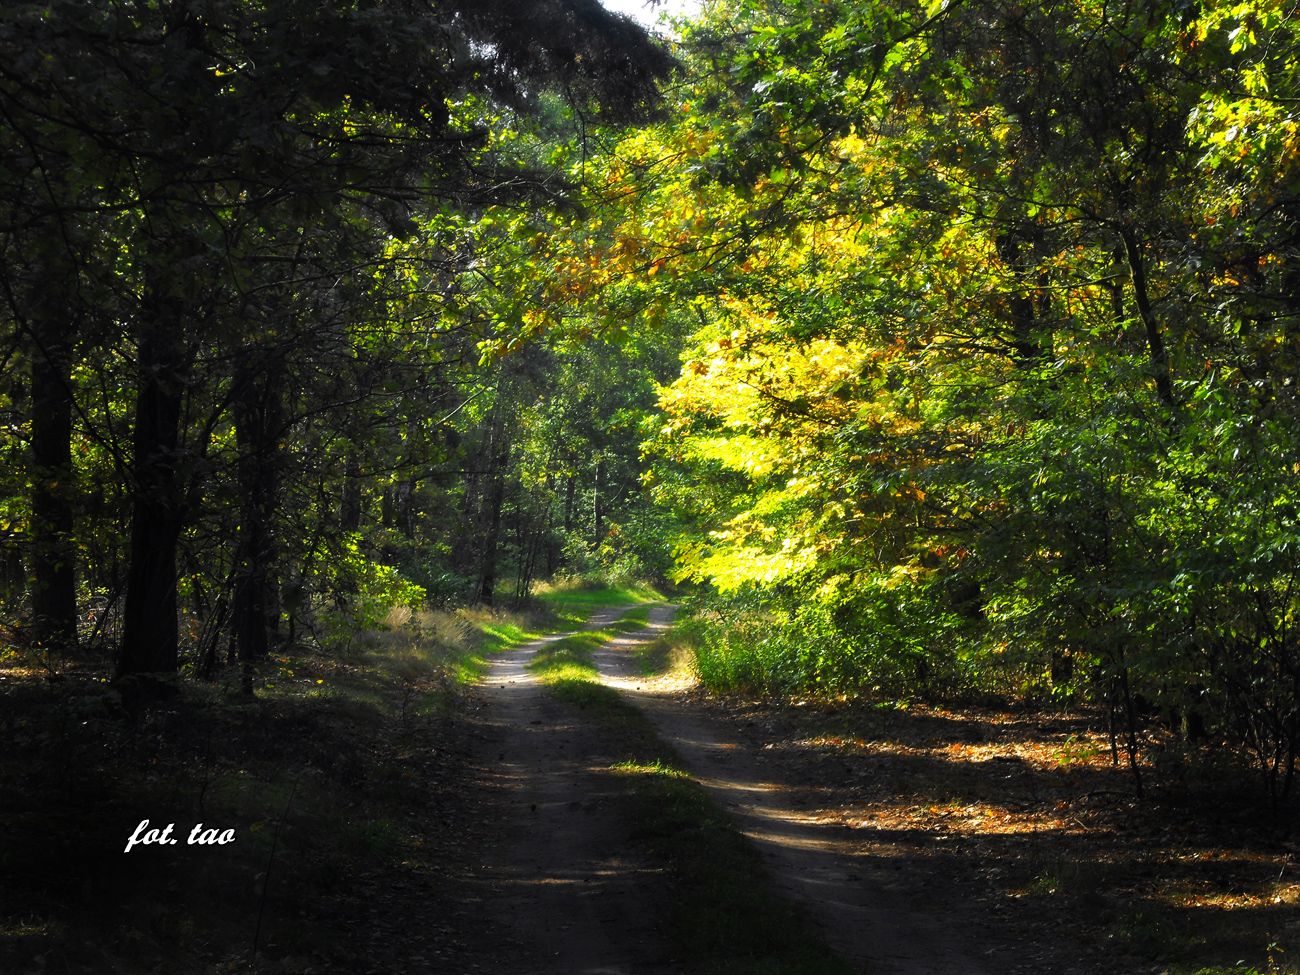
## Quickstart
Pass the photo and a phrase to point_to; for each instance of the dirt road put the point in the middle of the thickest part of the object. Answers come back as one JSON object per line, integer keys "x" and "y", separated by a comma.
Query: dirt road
{"x": 559, "y": 887}
{"x": 562, "y": 890}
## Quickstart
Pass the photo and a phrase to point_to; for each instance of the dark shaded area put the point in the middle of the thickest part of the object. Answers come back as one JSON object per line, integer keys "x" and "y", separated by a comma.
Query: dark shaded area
{"x": 336, "y": 791}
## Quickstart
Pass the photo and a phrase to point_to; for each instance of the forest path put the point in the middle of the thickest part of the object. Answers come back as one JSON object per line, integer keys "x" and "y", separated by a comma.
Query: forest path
{"x": 559, "y": 886}
{"x": 817, "y": 864}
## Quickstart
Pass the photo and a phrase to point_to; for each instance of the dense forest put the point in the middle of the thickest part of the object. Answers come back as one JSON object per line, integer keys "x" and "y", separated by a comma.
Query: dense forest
{"x": 927, "y": 352}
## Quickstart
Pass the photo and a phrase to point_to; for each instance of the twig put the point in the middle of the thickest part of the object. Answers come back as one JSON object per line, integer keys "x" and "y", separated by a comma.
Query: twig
{"x": 1108, "y": 792}
{"x": 266, "y": 874}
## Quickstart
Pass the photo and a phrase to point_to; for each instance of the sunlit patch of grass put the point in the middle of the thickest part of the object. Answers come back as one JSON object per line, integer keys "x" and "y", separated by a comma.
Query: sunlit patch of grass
{"x": 575, "y": 599}
{"x": 570, "y": 658}
{"x": 566, "y": 667}
{"x": 500, "y": 636}
{"x": 469, "y": 669}
{"x": 582, "y": 692}
{"x": 633, "y": 619}
{"x": 654, "y": 767}
{"x": 496, "y": 629}
{"x": 501, "y": 629}
{"x": 560, "y": 671}
{"x": 427, "y": 654}
{"x": 670, "y": 655}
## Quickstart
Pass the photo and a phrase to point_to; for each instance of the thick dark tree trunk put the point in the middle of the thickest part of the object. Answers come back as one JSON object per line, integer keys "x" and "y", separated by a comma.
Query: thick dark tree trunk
{"x": 250, "y": 609}
{"x": 1130, "y": 719}
{"x": 350, "y": 501}
{"x": 1020, "y": 249}
{"x": 149, "y": 638}
{"x": 249, "y": 606}
{"x": 255, "y": 405}
{"x": 53, "y": 558}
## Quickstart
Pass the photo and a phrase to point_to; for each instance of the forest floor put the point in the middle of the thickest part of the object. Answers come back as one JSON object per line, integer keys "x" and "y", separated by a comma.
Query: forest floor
{"x": 575, "y": 804}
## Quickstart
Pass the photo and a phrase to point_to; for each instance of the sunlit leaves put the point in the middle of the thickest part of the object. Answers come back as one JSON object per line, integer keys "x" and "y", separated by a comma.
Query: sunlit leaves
{"x": 918, "y": 409}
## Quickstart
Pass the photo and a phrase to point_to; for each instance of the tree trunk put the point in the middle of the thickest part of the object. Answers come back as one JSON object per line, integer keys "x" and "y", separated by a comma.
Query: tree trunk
{"x": 350, "y": 501}
{"x": 149, "y": 637}
{"x": 493, "y": 499}
{"x": 1159, "y": 358}
{"x": 53, "y": 559}
{"x": 256, "y": 412}
{"x": 1026, "y": 309}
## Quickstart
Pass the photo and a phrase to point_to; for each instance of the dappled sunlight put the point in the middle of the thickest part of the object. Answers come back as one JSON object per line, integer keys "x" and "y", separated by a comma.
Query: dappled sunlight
{"x": 1026, "y": 815}
{"x": 976, "y": 818}
{"x": 1271, "y": 895}
{"x": 735, "y": 785}
{"x": 378, "y": 374}
{"x": 813, "y": 859}
{"x": 650, "y": 768}
{"x": 1078, "y": 749}
{"x": 804, "y": 838}
{"x": 622, "y": 661}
